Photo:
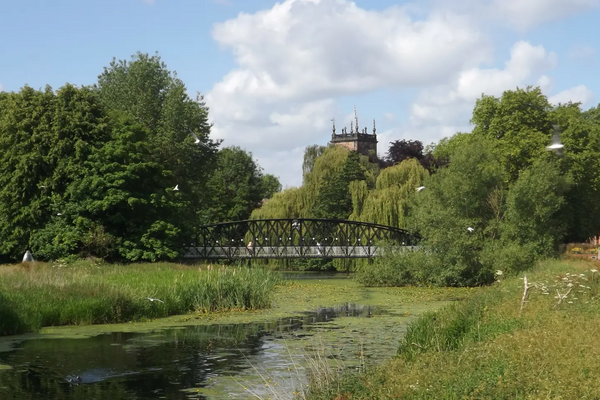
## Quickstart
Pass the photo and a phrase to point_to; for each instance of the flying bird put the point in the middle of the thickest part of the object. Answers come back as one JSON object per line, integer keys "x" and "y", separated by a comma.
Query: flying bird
{"x": 176, "y": 187}
{"x": 153, "y": 300}
{"x": 470, "y": 229}
{"x": 556, "y": 143}
{"x": 420, "y": 188}
{"x": 197, "y": 140}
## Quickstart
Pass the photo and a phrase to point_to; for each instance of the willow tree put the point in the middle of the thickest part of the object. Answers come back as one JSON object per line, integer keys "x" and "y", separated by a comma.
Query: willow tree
{"x": 388, "y": 203}
{"x": 287, "y": 204}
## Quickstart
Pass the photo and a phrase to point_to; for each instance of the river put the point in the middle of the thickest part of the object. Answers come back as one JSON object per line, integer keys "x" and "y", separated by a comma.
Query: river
{"x": 315, "y": 320}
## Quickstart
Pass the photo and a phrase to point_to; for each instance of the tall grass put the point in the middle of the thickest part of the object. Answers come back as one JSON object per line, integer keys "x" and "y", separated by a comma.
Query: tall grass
{"x": 495, "y": 346}
{"x": 38, "y": 295}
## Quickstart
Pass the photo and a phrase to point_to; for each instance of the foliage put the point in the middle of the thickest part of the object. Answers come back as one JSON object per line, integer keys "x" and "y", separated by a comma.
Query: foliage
{"x": 237, "y": 186}
{"x": 269, "y": 186}
{"x": 457, "y": 198}
{"x": 44, "y": 138}
{"x": 388, "y": 204}
{"x": 518, "y": 123}
{"x": 334, "y": 199}
{"x": 83, "y": 180}
{"x": 92, "y": 171}
{"x": 88, "y": 293}
{"x": 534, "y": 208}
{"x": 400, "y": 150}
{"x": 148, "y": 92}
{"x": 401, "y": 268}
{"x": 311, "y": 153}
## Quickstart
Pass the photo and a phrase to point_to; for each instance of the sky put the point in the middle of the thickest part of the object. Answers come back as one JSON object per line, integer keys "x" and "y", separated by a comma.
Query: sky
{"x": 275, "y": 74}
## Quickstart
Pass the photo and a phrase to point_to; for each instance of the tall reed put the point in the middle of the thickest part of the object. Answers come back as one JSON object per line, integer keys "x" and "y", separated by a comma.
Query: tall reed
{"x": 41, "y": 295}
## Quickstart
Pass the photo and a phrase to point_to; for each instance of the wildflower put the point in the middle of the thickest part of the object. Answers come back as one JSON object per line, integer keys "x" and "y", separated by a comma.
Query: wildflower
{"x": 593, "y": 270}
{"x": 498, "y": 272}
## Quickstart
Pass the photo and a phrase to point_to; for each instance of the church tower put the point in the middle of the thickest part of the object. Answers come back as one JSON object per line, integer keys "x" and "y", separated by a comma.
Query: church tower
{"x": 357, "y": 139}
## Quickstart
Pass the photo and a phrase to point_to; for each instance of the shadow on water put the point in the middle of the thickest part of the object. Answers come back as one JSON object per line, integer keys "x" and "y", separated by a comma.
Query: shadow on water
{"x": 171, "y": 363}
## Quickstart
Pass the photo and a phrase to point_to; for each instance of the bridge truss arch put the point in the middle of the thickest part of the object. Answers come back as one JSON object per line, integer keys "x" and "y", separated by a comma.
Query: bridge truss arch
{"x": 295, "y": 238}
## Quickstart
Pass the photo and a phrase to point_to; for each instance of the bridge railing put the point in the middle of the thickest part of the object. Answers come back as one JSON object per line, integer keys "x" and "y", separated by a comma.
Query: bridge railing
{"x": 236, "y": 252}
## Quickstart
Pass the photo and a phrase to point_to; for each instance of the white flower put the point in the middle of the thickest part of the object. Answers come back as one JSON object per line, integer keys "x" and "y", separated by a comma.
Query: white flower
{"x": 498, "y": 272}
{"x": 593, "y": 270}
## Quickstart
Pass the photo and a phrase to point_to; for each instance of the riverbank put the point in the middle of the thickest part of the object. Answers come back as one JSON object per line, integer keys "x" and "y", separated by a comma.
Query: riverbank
{"x": 36, "y": 295}
{"x": 493, "y": 345}
{"x": 211, "y": 354}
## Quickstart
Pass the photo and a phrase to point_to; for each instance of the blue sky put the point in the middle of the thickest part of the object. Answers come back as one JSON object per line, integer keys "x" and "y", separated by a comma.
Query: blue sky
{"x": 274, "y": 74}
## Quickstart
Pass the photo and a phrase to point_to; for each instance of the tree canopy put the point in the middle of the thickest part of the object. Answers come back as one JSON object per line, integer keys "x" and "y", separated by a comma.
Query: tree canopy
{"x": 122, "y": 170}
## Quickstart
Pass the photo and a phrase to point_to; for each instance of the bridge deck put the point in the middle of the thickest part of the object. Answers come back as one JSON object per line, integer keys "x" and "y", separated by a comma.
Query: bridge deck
{"x": 236, "y": 252}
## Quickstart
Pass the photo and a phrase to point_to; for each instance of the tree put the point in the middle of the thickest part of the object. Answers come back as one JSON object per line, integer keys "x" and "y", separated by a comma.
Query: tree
{"x": 335, "y": 200}
{"x": 388, "y": 204}
{"x": 236, "y": 187}
{"x": 311, "y": 153}
{"x": 44, "y": 138}
{"x": 80, "y": 181}
{"x": 401, "y": 150}
{"x": 269, "y": 186}
{"x": 153, "y": 96}
{"x": 518, "y": 123}
{"x": 458, "y": 197}
{"x": 535, "y": 208}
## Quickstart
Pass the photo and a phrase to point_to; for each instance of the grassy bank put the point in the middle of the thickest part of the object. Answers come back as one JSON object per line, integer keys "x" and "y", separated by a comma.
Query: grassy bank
{"x": 489, "y": 346}
{"x": 38, "y": 295}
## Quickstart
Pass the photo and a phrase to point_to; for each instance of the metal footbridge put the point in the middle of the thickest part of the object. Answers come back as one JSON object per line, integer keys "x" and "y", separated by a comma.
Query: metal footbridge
{"x": 296, "y": 238}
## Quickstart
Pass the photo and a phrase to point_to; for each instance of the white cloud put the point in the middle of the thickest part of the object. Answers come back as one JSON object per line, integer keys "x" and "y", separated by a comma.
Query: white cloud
{"x": 525, "y": 14}
{"x": 298, "y": 56}
{"x": 444, "y": 110}
{"x": 578, "y": 94}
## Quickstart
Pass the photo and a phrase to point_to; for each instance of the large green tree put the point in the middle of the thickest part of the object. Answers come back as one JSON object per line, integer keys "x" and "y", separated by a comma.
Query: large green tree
{"x": 44, "y": 138}
{"x": 237, "y": 186}
{"x": 518, "y": 123}
{"x": 178, "y": 128}
{"x": 78, "y": 180}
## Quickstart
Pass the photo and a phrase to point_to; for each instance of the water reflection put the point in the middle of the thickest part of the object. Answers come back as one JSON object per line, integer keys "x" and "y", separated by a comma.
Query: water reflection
{"x": 176, "y": 363}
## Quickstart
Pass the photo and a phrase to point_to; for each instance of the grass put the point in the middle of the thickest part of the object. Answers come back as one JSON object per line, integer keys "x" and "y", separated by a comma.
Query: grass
{"x": 493, "y": 346}
{"x": 37, "y": 295}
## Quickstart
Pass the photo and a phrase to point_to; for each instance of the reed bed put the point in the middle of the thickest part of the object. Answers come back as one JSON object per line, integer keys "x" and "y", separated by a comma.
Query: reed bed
{"x": 83, "y": 293}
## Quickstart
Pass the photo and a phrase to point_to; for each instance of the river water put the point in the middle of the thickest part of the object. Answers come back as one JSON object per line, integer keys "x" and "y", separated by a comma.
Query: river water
{"x": 248, "y": 357}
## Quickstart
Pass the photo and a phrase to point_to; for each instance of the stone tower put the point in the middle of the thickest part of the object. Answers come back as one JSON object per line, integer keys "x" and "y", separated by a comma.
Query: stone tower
{"x": 357, "y": 139}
